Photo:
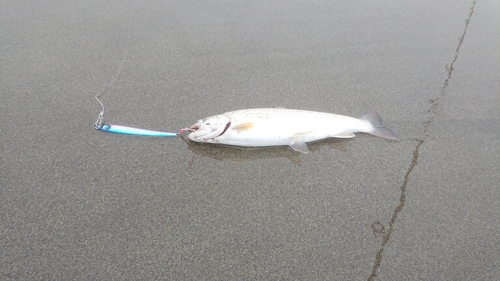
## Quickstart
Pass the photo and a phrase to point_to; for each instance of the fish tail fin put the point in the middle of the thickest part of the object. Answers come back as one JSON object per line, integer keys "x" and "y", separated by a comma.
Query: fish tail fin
{"x": 379, "y": 129}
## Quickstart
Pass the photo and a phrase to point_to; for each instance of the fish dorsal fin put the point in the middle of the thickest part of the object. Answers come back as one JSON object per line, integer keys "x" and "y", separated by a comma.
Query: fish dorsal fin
{"x": 299, "y": 146}
{"x": 343, "y": 135}
{"x": 243, "y": 127}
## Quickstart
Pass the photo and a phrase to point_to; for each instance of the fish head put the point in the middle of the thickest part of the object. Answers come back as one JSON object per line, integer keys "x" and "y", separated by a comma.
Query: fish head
{"x": 207, "y": 129}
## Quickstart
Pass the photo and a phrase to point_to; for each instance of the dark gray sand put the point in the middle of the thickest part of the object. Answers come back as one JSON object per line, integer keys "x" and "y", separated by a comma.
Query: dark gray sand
{"x": 80, "y": 204}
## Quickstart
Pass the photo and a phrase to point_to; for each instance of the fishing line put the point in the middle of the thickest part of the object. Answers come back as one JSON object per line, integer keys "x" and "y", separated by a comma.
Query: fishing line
{"x": 119, "y": 129}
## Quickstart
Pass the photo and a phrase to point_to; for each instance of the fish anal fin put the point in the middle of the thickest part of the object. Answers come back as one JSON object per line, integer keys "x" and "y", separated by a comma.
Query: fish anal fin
{"x": 243, "y": 127}
{"x": 299, "y": 147}
{"x": 343, "y": 135}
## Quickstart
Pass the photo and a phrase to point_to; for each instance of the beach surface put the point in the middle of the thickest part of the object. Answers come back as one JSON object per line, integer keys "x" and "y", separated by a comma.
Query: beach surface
{"x": 81, "y": 204}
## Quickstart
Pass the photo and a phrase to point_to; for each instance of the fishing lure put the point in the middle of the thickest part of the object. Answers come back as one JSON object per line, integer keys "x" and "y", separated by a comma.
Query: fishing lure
{"x": 119, "y": 129}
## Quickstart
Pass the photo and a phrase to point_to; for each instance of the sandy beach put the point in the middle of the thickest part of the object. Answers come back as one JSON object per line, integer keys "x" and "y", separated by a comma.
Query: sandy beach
{"x": 80, "y": 204}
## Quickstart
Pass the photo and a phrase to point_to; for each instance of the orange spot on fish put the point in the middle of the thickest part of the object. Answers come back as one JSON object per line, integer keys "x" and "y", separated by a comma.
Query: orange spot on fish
{"x": 243, "y": 127}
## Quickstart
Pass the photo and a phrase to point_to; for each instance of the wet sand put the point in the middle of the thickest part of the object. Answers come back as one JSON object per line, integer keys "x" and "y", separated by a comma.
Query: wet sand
{"x": 81, "y": 204}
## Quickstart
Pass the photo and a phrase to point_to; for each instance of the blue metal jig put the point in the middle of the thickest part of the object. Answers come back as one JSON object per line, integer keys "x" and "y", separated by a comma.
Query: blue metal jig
{"x": 118, "y": 129}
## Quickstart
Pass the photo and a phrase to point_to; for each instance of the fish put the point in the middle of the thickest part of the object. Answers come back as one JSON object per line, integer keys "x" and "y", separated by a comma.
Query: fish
{"x": 261, "y": 127}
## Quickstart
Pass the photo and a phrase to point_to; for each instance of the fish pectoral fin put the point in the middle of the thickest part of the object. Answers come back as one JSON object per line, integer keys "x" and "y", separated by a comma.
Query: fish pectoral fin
{"x": 299, "y": 147}
{"x": 343, "y": 135}
{"x": 243, "y": 127}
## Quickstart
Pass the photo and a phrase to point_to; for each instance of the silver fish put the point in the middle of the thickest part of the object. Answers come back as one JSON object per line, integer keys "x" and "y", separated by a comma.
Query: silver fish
{"x": 280, "y": 126}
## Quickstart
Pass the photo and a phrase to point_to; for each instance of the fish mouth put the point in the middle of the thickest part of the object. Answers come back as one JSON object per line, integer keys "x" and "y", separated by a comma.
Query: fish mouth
{"x": 191, "y": 129}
